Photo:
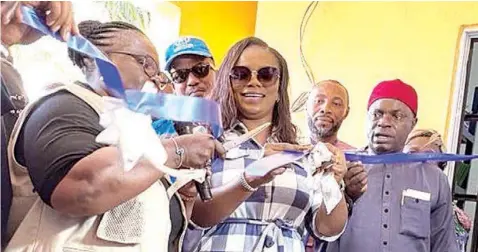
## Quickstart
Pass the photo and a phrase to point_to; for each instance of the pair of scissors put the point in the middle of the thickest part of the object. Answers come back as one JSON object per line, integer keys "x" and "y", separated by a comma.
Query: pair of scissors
{"x": 204, "y": 188}
{"x": 229, "y": 145}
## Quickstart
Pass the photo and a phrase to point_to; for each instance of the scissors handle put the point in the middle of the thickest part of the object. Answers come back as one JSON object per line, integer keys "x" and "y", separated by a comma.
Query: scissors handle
{"x": 203, "y": 188}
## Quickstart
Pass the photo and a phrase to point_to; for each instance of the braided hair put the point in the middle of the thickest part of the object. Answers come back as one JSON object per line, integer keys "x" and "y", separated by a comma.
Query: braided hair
{"x": 98, "y": 33}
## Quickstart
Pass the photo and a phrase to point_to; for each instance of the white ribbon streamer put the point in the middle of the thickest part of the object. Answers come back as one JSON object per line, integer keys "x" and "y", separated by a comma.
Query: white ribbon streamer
{"x": 323, "y": 181}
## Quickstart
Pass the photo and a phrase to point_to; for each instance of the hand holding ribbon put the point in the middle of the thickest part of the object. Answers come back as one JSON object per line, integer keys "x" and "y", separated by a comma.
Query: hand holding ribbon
{"x": 355, "y": 180}
{"x": 123, "y": 119}
{"x": 191, "y": 109}
{"x": 338, "y": 168}
{"x": 58, "y": 16}
{"x": 158, "y": 105}
{"x": 327, "y": 164}
{"x": 133, "y": 134}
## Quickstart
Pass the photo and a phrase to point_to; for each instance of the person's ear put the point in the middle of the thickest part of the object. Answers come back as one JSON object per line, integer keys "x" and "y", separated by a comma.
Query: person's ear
{"x": 414, "y": 122}
{"x": 347, "y": 112}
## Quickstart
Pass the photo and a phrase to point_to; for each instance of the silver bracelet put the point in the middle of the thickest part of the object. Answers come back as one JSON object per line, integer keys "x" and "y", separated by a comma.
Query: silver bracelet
{"x": 246, "y": 185}
{"x": 179, "y": 152}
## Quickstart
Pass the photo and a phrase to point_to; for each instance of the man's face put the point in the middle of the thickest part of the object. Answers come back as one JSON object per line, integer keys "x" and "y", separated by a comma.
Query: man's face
{"x": 136, "y": 59}
{"x": 388, "y": 125}
{"x": 193, "y": 75}
{"x": 327, "y": 107}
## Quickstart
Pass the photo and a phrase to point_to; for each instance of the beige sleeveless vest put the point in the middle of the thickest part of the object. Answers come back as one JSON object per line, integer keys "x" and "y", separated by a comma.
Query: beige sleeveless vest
{"x": 140, "y": 224}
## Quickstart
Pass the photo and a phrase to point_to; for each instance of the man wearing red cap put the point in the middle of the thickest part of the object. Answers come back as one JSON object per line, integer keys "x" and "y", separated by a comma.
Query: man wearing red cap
{"x": 407, "y": 207}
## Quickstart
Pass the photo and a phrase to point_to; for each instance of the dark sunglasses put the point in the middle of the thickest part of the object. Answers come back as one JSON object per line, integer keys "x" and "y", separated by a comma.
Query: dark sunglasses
{"x": 241, "y": 75}
{"x": 199, "y": 71}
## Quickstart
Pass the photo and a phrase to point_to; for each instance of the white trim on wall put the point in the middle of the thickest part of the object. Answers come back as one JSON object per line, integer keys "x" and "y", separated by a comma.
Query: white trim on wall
{"x": 459, "y": 95}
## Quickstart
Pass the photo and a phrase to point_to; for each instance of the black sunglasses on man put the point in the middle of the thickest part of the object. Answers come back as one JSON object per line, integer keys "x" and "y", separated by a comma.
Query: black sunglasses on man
{"x": 200, "y": 70}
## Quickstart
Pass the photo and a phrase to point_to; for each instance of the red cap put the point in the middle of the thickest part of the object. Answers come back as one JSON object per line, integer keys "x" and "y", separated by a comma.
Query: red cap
{"x": 395, "y": 89}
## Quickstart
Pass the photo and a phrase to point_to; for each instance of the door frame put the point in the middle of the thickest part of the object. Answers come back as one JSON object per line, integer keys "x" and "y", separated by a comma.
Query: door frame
{"x": 459, "y": 83}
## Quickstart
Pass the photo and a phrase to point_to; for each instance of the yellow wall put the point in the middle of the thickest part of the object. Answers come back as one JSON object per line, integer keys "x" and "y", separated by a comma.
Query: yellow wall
{"x": 361, "y": 43}
{"x": 220, "y": 24}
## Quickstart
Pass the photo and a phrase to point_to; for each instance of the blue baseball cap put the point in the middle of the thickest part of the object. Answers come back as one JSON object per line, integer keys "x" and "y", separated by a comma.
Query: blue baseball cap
{"x": 186, "y": 45}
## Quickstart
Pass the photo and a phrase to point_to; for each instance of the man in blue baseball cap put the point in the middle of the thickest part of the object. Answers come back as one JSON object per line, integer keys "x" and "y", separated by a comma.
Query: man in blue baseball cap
{"x": 191, "y": 66}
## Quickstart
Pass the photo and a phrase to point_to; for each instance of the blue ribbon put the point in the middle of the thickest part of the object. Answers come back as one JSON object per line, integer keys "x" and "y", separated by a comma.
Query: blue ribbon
{"x": 394, "y": 158}
{"x": 177, "y": 108}
{"x": 107, "y": 69}
{"x": 162, "y": 106}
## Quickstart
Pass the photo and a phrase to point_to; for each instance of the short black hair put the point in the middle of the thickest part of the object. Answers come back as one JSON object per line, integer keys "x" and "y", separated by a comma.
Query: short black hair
{"x": 96, "y": 32}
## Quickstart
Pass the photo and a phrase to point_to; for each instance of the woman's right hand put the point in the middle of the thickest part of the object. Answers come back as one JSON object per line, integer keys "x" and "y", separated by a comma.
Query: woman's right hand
{"x": 198, "y": 149}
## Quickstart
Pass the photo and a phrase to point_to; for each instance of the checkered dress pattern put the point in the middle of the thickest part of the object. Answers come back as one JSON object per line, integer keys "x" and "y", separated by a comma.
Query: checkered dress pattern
{"x": 273, "y": 217}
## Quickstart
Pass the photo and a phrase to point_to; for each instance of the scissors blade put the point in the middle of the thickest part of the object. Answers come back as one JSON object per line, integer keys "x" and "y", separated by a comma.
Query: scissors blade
{"x": 243, "y": 138}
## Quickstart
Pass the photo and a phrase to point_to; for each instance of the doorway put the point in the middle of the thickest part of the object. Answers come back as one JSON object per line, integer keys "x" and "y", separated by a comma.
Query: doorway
{"x": 463, "y": 134}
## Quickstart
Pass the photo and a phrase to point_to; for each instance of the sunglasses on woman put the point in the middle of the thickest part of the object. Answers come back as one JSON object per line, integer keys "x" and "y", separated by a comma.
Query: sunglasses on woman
{"x": 199, "y": 71}
{"x": 241, "y": 75}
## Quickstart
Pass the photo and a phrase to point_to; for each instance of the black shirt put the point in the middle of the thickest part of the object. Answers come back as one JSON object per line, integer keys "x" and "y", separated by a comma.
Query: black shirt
{"x": 60, "y": 131}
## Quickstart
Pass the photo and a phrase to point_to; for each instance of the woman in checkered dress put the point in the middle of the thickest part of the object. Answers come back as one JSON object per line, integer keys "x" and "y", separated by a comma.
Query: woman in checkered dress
{"x": 266, "y": 213}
